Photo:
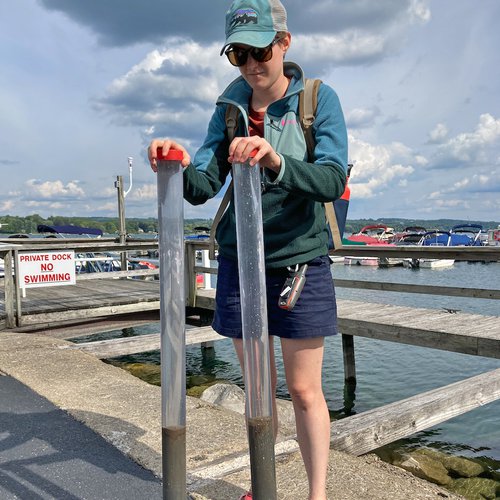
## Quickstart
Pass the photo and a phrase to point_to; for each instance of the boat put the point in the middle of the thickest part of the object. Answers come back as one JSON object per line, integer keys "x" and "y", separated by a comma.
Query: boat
{"x": 471, "y": 235}
{"x": 410, "y": 235}
{"x": 435, "y": 263}
{"x": 360, "y": 261}
{"x": 69, "y": 230}
{"x": 390, "y": 261}
{"x": 372, "y": 235}
{"x": 337, "y": 259}
{"x": 432, "y": 238}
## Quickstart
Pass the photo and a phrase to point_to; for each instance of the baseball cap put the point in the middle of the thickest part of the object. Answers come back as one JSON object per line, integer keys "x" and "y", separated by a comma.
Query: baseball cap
{"x": 254, "y": 22}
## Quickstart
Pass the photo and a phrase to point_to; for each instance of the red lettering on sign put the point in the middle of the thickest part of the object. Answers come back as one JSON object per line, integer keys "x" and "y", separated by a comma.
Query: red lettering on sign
{"x": 47, "y": 278}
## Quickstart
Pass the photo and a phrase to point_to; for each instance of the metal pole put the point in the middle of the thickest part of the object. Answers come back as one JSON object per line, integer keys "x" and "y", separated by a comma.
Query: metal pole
{"x": 251, "y": 267}
{"x": 121, "y": 217}
{"x": 172, "y": 324}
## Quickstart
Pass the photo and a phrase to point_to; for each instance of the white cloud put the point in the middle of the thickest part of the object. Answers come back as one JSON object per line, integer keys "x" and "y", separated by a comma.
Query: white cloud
{"x": 53, "y": 189}
{"x": 50, "y": 205}
{"x": 440, "y": 205}
{"x": 419, "y": 11}
{"x": 109, "y": 209}
{"x": 438, "y": 133}
{"x": 470, "y": 148}
{"x": 348, "y": 47}
{"x": 361, "y": 117}
{"x": 376, "y": 167}
{"x": 145, "y": 192}
{"x": 171, "y": 92}
{"x": 7, "y": 206}
{"x": 488, "y": 182}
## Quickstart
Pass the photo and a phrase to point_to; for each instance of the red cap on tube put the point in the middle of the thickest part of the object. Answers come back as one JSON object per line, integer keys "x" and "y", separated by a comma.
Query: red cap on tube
{"x": 173, "y": 154}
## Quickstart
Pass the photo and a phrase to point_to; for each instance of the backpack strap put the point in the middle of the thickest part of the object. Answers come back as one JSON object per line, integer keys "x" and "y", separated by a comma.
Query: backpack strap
{"x": 232, "y": 113}
{"x": 308, "y": 103}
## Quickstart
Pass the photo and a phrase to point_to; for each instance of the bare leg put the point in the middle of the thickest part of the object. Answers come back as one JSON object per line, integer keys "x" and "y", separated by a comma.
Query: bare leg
{"x": 238, "y": 345}
{"x": 303, "y": 360}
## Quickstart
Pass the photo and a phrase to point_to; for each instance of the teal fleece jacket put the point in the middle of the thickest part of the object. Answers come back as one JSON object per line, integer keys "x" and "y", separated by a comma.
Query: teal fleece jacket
{"x": 294, "y": 222}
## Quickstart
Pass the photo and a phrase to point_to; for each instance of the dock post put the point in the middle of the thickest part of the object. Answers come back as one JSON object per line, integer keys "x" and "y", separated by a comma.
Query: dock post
{"x": 172, "y": 324}
{"x": 190, "y": 278}
{"x": 17, "y": 284}
{"x": 251, "y": 267}
{"x": 10, "y": 296}
{"x": 349, "y": 359}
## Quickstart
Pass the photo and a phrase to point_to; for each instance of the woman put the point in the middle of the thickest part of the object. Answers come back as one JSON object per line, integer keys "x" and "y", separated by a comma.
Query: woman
{"x": 294, "y": 189}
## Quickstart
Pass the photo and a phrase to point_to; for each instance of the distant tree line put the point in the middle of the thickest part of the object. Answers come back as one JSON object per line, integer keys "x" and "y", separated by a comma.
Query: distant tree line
{"x": 11, "y": 224}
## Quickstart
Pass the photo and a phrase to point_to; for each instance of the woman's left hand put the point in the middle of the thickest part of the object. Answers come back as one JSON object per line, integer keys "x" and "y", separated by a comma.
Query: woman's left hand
{"x": 241, "y": 147}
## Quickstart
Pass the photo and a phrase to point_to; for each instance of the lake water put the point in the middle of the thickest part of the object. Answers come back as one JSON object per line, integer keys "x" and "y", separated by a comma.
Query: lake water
{"x": 386, "y": 371}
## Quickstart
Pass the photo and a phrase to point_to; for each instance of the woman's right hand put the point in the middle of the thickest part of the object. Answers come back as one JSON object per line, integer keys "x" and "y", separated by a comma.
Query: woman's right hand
{"x": 166, "y": 145}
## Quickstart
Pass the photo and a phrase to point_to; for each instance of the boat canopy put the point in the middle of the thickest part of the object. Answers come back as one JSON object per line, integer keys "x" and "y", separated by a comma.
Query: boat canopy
{"x": 445, "y": 238}
{"x": 467, "y": 227}
{"x": 42, "y": 228}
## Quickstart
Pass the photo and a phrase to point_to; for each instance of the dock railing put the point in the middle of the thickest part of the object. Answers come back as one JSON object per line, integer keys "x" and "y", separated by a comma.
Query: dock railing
{"x": 10, "y": 249}
{"x": 12, "y": 291}
{"x": 481, "y": 254}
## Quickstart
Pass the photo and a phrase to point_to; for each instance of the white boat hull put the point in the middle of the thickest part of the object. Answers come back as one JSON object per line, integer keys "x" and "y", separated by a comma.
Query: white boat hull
{"x": 361, "y": 261}
{"x": 435, "y": 263}
{"x": 337, "y": 259}
{"x": 390, "y": 262}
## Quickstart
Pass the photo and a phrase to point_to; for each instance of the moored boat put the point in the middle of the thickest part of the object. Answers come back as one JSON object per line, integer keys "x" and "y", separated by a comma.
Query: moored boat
{"x": 374, "y": 234}
{"x": 390, "y": 261}
{"x": 432, "y": 238}
{"x": 360, "y": 261}
{"x": 435, "y": 263}
{"x": 467, "y": 235}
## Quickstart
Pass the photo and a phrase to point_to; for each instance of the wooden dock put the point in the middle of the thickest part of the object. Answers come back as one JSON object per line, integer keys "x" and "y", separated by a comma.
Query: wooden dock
{"x": 87, "y": 299}
{"x": 460, "y": 332}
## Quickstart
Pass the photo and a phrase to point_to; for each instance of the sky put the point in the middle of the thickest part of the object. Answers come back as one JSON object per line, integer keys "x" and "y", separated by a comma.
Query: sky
{"x": 86, "y": 84}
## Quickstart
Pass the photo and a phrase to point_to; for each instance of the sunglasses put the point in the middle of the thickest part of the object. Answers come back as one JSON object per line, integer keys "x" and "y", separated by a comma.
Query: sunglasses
{"x": 238, "y": 56}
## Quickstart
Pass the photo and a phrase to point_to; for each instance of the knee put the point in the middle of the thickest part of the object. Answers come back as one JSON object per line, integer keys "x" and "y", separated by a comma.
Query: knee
{"x": 305, "y": 396}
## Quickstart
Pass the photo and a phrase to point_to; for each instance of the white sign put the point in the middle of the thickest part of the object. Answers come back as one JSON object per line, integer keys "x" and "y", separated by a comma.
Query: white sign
{"x": 46, "y": 268}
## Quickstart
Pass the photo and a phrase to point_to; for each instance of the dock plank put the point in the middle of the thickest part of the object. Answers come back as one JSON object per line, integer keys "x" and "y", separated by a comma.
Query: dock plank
{"x": 369, "y": 430}
{"x": 142, "y": 343}
{"x": 463, "y": 334}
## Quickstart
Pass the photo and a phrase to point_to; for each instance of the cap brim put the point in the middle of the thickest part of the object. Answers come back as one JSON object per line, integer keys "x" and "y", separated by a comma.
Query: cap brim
{"x": 251, "y": 38}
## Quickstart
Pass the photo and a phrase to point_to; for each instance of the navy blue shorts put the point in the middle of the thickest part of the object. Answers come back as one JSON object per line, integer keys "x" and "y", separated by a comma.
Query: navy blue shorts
{"x": 314, "y": 314}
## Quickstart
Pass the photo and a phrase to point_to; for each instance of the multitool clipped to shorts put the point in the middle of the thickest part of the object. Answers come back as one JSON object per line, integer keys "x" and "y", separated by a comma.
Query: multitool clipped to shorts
{"x": 293, "y": 287}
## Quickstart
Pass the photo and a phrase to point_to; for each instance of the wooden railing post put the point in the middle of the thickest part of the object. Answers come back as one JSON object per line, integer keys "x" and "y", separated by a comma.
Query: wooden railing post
{"x": 17, "y": 293}
{"x": 190, "y": 274}
{"x": 10, "y": 319}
